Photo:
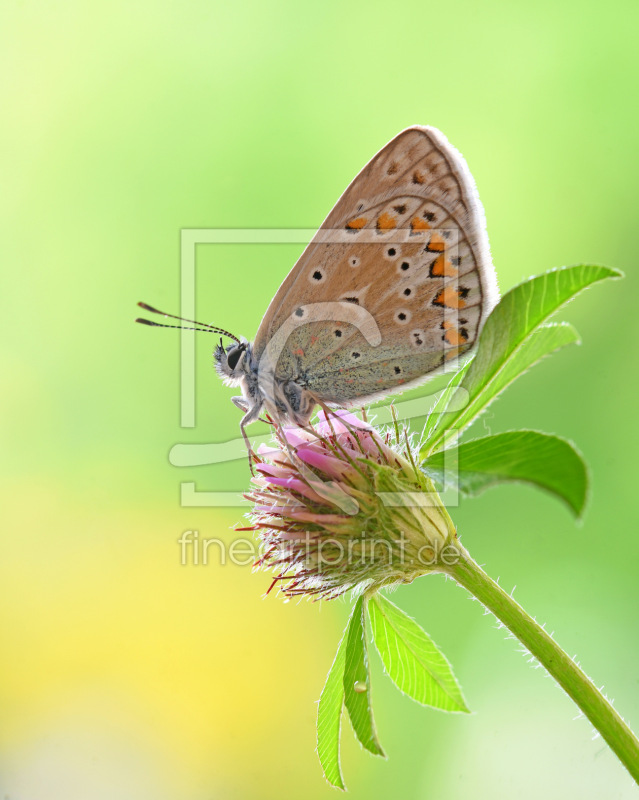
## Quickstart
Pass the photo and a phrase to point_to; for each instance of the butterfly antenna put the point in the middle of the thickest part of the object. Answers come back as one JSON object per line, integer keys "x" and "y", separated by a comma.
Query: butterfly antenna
{"x": 203, "y": 326}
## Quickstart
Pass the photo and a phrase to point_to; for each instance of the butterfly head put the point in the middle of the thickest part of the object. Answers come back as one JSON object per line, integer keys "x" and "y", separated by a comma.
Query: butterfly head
{"x": 231, "y": 363}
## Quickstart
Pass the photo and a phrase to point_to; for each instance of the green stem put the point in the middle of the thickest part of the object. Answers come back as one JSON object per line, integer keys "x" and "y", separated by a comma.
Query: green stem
{"x": 563, "y": 669}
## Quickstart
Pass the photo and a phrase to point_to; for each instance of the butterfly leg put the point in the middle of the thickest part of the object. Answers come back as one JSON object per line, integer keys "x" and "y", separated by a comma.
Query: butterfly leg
{"x": 251, "y": 415}
{"x": 240, "y": 402}
{"x": 277, "y": 413}
{"x": 243, "y": 405}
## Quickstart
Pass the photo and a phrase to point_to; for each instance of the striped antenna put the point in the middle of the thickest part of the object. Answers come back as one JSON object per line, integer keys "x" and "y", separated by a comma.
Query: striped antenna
{"x": 203, "y": 326}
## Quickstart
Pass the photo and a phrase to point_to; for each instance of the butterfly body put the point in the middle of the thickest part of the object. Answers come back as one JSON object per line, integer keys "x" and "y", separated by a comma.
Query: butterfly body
{"x": 287, "y": 400}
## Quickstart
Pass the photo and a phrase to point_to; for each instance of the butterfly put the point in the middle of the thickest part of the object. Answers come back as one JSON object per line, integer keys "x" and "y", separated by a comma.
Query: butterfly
{"x": 397, "y": 281}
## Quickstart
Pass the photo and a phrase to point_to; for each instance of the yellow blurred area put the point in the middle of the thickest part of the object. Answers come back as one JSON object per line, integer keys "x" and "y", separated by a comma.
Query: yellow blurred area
{"x": 124, "y": 674}
{"x": 120, "y": 660}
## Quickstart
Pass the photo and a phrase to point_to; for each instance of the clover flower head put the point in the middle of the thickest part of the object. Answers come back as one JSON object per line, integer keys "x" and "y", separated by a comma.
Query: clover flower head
{"x": 341, "y": 506}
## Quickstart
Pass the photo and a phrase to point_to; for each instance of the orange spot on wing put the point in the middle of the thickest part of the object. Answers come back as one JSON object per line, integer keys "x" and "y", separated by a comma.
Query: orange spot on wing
{"x": 452, "y": 353}
{"x": 441, "y": 267}
{"x": 298, "y": 352}
{"x": 450, "y": 298}
{"x": 446, "y": 324}
{"x": 356, "y": 224}
{"x": 401, "y": 380}
{"x": 418, "y": 224}
{"x": 386, "y": 222}
{"x": 454, "y": 337}
{"x": 314, "y": 339}
{"x": 436, "y": 244}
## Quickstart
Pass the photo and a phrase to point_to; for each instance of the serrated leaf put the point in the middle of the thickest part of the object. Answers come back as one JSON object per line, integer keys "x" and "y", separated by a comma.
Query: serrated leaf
{"x": 511, "y": 342}
{"x": 537, "y": 458}
{"x": 412, "y": 660}
{"x": 329, "y": 717}
{"x": 357, "y": 683}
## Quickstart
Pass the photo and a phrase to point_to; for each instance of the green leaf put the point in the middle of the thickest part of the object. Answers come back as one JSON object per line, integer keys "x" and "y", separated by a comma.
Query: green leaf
{"x": 329, "y": 717}
{"x": 357, "y": 683}
{"x": 511, "y": 342}
{"x": 543, "y": 460}
{"x": 413, "y": 661}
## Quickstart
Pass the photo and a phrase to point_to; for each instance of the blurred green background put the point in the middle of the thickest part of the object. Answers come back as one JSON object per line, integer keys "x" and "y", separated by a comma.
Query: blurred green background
{"x": 126, "y": 675}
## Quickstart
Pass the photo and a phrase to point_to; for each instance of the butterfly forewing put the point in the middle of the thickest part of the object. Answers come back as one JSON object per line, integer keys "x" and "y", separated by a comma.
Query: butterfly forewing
{"x": 405, "y": 243}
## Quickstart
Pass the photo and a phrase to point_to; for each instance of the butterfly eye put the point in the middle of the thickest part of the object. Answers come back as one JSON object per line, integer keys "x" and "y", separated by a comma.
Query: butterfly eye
{"x": 234, "y": 356}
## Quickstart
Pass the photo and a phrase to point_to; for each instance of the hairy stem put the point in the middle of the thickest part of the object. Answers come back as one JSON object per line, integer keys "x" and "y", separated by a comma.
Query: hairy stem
{"x": 563, "y": 669}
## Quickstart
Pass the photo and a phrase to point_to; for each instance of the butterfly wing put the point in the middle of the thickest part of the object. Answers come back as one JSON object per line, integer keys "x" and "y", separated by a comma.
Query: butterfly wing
{"x": 397, "y": 280}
